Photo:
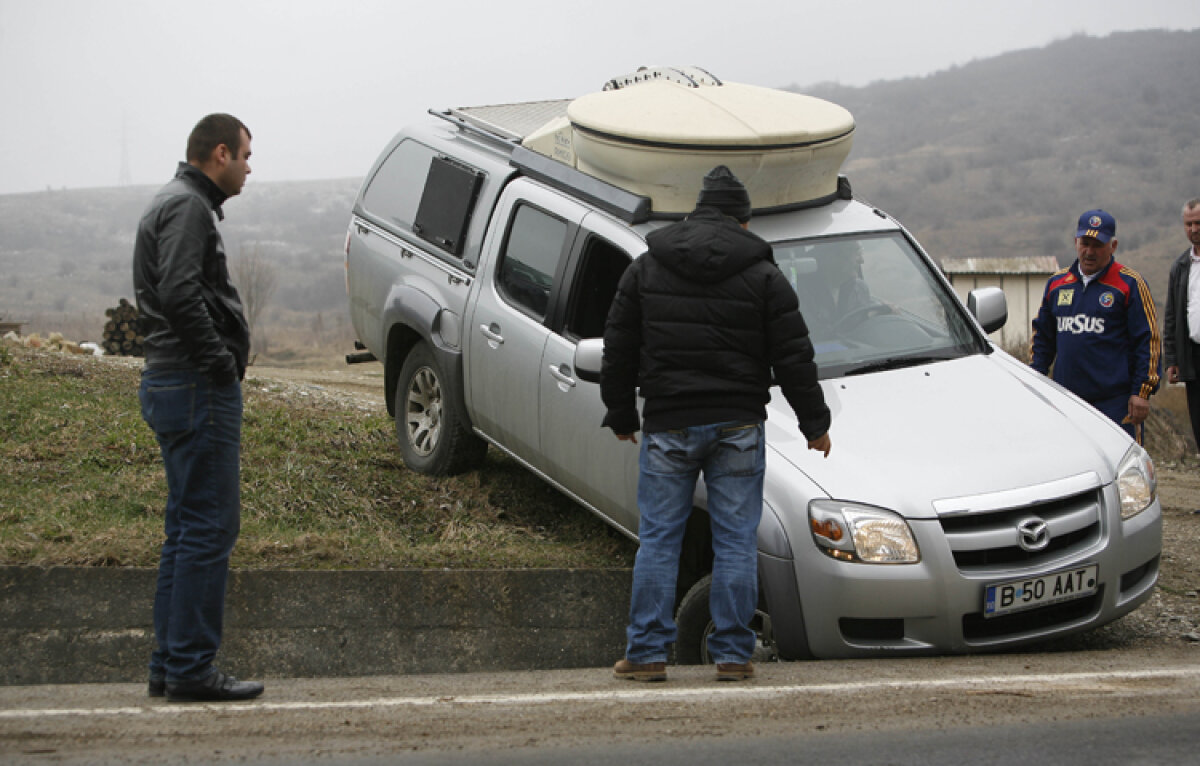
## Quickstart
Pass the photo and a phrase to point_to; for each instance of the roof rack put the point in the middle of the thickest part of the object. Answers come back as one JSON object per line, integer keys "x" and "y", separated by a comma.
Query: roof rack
{"x": 509, "y": 123}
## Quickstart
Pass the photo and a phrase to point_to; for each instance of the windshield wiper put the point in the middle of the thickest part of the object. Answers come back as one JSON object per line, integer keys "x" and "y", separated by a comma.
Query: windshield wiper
{"x": 897, "y": 362}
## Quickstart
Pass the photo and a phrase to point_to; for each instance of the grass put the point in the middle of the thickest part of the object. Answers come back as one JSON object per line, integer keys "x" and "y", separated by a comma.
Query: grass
{"x": 323, "y": 485}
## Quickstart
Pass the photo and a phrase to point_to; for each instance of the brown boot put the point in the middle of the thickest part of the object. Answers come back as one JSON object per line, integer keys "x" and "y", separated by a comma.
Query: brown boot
{"x": 632, "y": 671}
{"x": 734, "y": 671}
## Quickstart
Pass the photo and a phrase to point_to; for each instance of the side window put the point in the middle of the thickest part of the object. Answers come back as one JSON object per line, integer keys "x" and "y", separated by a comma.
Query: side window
{"x": 395, "y": 192}
{"x": 447, "y": 203}
{"x": 431, "y": 196}
{"x": 595, "y": 285}
{"x": 530, "y": 259}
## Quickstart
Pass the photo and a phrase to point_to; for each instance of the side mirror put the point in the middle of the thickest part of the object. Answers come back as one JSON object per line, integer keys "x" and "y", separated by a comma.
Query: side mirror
{"x": 989, "y": 307}
{"x": 589, "y": 354}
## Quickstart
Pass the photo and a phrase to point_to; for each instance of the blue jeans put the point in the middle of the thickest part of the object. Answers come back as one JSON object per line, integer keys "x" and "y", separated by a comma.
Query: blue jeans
{"x": 199, "y": 430}
{"x": 732, "y": 457}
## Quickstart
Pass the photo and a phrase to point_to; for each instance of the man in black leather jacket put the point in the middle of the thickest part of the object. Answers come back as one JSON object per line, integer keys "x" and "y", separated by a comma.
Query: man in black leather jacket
{"x": 700, "y": 322}
{"x": 196, "y": 347}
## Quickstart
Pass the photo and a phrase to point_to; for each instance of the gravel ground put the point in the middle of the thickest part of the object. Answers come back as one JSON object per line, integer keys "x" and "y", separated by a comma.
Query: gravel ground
{"x": 1173, "y": 613}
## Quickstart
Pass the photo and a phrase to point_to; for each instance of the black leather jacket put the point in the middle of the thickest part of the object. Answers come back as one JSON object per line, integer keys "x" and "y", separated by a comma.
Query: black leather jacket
{"x": 1176, "y": 341}
{"x": 700, "y": 322}
{"x": 191, "y": 314}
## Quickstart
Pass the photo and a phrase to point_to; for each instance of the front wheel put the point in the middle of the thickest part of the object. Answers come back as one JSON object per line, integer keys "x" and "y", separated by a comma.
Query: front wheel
{"x": 431, "y": 428}
{"x": 694, "y": 624}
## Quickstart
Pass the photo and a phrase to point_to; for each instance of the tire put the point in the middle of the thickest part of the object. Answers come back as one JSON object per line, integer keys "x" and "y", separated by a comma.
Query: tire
{"x": 434, "y": 435}
{"x": 693, "y": 621}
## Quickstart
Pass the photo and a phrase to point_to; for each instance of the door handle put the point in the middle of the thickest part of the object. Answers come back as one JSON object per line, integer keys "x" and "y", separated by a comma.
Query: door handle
{"x": 492, "y": 333}
{"x": 562, "y": 373}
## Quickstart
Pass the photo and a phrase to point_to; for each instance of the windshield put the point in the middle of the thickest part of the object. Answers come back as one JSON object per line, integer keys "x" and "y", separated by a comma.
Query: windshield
{"x": 872, "y": 303}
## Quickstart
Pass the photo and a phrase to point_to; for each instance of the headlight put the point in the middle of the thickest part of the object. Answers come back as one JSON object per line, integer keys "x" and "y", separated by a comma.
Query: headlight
{"x": 1136, "y": 482}
{"x": 851, "y": 532}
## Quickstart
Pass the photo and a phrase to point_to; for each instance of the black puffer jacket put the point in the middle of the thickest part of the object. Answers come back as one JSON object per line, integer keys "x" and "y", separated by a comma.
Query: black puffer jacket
{"x": 191, "y": 314}
{"x": 699, "y": 322}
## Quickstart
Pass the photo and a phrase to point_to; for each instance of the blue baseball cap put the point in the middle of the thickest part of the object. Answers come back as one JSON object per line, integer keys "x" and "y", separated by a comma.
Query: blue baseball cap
{"x": 1098, "y": 225}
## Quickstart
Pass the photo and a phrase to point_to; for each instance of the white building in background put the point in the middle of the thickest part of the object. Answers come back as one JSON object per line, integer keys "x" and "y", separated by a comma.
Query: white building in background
{"x": 1023, "y": 280}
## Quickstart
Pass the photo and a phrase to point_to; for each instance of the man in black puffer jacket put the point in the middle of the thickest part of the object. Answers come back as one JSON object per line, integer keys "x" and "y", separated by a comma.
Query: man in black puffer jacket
{"x": 699, "y": 322}
{"x": 196, "y": 342}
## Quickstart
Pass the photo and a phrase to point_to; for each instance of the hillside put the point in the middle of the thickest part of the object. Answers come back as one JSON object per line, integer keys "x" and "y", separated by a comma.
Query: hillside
{"x": 997, "y": 157}
{"x": 65, "y": 256}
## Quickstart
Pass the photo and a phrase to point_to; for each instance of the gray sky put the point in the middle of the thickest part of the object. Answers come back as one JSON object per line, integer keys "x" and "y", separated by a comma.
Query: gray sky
{"x": 323, "y": 84}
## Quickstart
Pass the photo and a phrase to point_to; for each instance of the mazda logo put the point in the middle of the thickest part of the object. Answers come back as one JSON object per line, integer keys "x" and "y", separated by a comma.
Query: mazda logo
{"x": 1033, "y": 534}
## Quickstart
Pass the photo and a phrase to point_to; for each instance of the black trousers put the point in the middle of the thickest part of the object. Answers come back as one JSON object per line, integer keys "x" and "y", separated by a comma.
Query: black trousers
{"x": 1193, "y": 402}
{"x": 1193, "y": 394}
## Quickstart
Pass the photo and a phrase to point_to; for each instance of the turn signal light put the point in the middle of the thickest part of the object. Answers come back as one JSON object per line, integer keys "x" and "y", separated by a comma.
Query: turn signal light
{"x": 827, "y": 528}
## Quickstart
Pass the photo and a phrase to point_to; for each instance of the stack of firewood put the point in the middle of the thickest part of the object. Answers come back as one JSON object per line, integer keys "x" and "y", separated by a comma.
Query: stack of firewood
{"x": 121, "y": 333}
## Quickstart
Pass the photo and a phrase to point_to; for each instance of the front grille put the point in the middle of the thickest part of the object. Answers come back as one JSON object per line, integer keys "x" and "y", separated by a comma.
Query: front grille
{"x": 989, "y": 539}
{"x": 976, "y": 627}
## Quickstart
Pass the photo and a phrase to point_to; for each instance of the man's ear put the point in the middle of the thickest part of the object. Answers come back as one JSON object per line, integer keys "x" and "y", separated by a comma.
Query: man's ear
{"x": 1113, "y": 241}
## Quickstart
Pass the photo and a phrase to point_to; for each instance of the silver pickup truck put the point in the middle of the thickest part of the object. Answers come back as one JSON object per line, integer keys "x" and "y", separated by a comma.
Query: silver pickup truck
{"x": 969, "y": 504}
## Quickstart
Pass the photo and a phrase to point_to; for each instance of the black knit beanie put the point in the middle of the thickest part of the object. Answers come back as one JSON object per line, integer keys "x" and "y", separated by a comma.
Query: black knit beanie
{"x": 725, "y": 192}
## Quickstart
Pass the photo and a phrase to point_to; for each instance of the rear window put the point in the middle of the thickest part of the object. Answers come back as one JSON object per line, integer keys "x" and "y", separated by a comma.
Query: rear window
{"x": 395, "y": 192}
{"x": 419, "y": 191}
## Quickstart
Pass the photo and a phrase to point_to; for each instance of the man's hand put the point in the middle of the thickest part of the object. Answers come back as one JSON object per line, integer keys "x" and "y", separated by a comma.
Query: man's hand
{"x": 821, "y": 444}
{"x": 1139, "y": 409}
{"x": 628, "y": 437}
{"x": 1173, "y": 374}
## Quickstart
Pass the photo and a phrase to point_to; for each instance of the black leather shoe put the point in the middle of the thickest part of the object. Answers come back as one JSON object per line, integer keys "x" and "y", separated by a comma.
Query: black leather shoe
{"x": 157, "y": 686}
{"x": 217, "y": 687}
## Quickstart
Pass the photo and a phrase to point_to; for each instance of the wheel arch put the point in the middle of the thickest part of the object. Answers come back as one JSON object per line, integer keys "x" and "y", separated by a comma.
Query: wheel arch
{"x": 778, "y": 591}
{"x": 413, "y": 317}
{"x": 696, "y": 558}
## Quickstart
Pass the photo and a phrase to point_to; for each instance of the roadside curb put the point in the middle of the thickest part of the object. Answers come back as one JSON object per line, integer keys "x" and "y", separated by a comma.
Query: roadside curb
{"x": 93, "y": 624}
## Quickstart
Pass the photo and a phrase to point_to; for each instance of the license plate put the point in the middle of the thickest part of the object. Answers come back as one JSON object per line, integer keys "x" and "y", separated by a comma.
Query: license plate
{"x": 1030, "y": 592}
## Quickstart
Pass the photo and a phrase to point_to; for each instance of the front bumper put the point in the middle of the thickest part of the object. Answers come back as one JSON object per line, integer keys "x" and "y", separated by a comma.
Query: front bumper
{"x": 936, "y": 606}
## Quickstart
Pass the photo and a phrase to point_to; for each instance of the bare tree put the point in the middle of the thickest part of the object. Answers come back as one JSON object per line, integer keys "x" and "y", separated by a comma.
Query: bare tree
{"x": 256, "y": 276}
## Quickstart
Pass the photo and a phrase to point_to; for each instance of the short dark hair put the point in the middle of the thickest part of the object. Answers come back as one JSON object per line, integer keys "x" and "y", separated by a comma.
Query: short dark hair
{"x": 211, "y": 132}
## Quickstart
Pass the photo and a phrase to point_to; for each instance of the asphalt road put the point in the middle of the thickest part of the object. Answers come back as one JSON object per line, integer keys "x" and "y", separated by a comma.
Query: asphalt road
{"x": 1101, "y": 707}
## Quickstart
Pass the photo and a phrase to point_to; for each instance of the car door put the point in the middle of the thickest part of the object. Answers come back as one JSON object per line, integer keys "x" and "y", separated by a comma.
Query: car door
{"x": 507, "y": 328}
{"x": 582, "y": 457}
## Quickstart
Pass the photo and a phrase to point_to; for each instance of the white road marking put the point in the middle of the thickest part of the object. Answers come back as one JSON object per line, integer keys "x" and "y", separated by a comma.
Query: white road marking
{"x": 641, "y": 693}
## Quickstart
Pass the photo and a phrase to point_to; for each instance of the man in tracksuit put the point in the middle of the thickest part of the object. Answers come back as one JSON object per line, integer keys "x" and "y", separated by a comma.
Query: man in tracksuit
{"x": 1097, "y": 326}
{"x": 700, "y": 322}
